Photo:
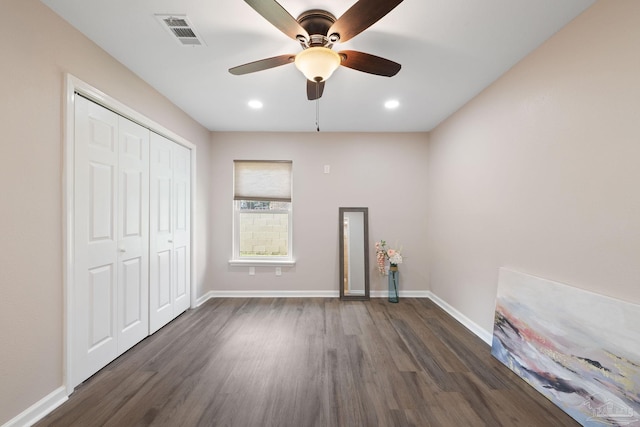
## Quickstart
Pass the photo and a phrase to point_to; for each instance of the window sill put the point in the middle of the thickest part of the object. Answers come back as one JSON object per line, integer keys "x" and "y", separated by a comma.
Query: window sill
{"x": 261, "y": 263}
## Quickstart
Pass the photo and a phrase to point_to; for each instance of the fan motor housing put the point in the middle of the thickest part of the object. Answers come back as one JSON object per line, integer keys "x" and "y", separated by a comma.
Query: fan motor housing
{"x": 317, "y": 23}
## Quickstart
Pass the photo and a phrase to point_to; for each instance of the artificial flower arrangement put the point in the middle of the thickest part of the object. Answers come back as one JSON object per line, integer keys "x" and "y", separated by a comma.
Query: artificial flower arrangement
{"x": 383, "y": 253}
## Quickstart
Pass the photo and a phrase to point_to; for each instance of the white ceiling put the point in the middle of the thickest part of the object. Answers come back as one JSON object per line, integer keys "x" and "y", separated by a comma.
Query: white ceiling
{"x": 450, "y": 50}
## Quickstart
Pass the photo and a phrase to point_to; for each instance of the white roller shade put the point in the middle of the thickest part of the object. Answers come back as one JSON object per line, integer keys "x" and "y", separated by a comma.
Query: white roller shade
{"x": 262, "y": 180}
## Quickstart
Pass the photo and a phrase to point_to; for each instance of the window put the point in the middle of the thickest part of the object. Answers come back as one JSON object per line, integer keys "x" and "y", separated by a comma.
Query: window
{"x": 262, "y": 232}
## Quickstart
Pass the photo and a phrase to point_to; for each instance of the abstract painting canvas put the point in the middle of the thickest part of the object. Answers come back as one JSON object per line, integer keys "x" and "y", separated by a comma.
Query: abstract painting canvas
{"x": 579, "y": 349}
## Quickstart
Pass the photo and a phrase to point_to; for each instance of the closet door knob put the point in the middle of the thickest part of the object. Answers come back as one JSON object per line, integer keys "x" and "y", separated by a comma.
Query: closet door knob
{"x": 170, "y": 241}
{"x": 123, "y": 250}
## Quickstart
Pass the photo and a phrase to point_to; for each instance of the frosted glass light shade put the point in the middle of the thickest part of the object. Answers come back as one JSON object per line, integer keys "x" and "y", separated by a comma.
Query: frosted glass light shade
{"x": 317, "y": 62}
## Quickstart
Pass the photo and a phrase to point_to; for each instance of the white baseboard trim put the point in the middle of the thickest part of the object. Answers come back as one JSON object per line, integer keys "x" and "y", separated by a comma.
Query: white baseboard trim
{"x": 299, "y": 294}
{"x": 267, "y": 294}
{"x": 204, "y": 298}
{"x": 40, "y": 409}
{"x": 402, "y": 294}
{"x": 484, "y": 335}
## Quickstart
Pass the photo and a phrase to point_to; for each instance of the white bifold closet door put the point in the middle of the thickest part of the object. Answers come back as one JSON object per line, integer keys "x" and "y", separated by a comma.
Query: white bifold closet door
{"x": 110, "y": 307}
{"x": 170, "y": 231}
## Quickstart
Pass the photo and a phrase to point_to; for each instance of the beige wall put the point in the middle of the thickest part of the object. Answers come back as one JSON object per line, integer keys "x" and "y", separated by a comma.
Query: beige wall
{"x": 384, "y": 172}
{"x": 540, "y": 172}
{"x": 37, "y": 49}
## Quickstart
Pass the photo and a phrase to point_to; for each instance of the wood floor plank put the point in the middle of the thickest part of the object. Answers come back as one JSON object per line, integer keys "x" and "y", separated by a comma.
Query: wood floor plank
{"x": 395, "y": 346}
{"x": 440, "y": 351}
{"x": 425, "y": 357}
{"x": 308, "y": 362}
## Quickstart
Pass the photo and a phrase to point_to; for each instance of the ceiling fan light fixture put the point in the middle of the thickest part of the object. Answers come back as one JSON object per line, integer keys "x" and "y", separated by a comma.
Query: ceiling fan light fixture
{"x": 317, "y": 63}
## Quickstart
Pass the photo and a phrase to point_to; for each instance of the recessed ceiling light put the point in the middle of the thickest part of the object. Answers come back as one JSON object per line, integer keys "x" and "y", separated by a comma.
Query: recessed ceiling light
{"x": 255, "y": 104}
{"x": 391, "y": 104}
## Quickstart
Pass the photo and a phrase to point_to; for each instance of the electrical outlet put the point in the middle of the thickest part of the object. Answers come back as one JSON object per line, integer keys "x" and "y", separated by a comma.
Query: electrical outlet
{"x": 252, "y": 271}
{"x": 278, "y": 271}
{"x": 327, "y": 168}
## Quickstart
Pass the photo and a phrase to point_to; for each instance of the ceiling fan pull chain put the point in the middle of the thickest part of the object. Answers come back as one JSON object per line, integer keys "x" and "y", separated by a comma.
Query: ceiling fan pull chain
{"x": 317, "y": 105}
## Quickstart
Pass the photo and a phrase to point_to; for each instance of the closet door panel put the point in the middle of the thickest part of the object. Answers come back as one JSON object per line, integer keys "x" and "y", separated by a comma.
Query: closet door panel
{"x": 101, "y": 303}
{"x": 161, "y": 270}
{"x": 94, "y": 329}
{"x": 132, "y": 301}
{"x": 133, "y": 234}
{"x": 170, "y": 241}
{"x": 162, "y": 281}
{"x": 182, "y": 228}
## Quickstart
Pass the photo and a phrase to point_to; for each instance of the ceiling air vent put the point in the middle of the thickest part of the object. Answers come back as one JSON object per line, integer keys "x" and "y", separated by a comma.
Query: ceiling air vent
{"x": 181, "y": 29}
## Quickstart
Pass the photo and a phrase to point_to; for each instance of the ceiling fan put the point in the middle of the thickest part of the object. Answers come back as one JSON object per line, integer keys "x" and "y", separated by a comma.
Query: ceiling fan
{"x": 317, "y": 30}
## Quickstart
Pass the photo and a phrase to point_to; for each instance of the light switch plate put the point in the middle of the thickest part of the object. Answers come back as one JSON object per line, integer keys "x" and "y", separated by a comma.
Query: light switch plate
{"x": 252, "y": 271}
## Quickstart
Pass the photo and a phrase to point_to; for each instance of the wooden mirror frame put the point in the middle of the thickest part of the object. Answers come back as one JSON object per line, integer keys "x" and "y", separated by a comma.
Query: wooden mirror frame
{"x": 341, "y": 244}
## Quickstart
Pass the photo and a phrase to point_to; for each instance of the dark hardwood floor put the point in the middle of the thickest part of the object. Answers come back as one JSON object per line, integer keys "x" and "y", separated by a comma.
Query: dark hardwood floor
{"x": 308, "y": 362}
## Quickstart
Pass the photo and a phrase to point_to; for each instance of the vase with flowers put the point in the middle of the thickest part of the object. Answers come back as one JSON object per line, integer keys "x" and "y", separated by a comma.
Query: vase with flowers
{"x": 384, "y": 254}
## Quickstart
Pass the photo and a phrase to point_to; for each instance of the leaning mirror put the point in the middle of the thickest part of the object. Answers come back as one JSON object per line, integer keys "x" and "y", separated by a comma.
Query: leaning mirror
{"x": 354, "y": 250}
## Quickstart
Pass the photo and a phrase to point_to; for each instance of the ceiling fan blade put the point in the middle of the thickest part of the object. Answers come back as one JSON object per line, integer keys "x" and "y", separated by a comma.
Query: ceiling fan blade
{"x": 361, "y": 16}
{"x": 368, "y": 63}
{"x": 314, "y": 90}
{"x": 273, "y": 12}
{"x": 263, "y": 64}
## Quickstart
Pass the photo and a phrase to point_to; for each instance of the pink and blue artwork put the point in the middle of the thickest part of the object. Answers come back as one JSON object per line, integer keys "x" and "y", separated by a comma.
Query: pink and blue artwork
{"x": 579, "y": 349}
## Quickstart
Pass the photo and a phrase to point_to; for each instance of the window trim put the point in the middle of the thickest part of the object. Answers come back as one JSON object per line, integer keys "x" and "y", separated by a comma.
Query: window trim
{"x": 261, "y": 263}
{"x": 283, "y": 261}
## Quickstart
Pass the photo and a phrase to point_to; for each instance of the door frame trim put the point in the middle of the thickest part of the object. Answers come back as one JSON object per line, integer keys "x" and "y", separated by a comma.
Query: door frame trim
{"x": 72, "y": 87}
